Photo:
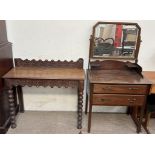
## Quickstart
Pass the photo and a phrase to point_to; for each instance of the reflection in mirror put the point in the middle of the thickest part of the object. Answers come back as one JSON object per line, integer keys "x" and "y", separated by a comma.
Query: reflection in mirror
{"x": 115, "y": 41}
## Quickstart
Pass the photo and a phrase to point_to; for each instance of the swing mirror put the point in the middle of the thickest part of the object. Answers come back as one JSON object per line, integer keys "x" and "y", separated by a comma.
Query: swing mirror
{"x": 115, "y": 40}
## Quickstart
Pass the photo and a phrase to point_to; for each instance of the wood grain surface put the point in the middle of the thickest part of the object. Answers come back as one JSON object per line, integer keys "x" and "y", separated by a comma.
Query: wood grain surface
{"x": 45, "y": 73}
{"x": 116, "y": 76}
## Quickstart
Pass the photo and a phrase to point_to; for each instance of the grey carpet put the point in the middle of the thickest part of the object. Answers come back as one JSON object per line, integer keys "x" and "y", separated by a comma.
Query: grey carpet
{"x": 33, "y": 122}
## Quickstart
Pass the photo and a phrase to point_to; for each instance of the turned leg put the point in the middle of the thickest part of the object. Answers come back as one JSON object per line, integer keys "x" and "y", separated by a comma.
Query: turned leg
{"x": 148, "y": 115}
{"x": 11, "y": 108}
{"x": 146, "y": 122}
{"x": 80, "y": 104}
{"x": 86, "y": 107}
{"x": 135, "y": 111}
{"x": 20, "y": 98}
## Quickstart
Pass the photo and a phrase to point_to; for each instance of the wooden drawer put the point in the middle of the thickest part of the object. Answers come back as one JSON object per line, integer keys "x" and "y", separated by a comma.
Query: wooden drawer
{"x": 118, "y": 100}
{"x": 120, "y": 89}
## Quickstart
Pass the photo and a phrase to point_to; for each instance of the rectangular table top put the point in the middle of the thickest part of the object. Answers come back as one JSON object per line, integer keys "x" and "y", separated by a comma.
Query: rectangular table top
{"x": 116, "y": 77}
{"x": 45, "y": 73}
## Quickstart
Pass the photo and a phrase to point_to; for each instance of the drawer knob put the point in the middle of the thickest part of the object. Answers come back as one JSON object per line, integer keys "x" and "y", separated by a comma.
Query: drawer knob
{"x": 105, "y": 99}
{"x": 133, "y": 99}
{"x": 107, "y": 88}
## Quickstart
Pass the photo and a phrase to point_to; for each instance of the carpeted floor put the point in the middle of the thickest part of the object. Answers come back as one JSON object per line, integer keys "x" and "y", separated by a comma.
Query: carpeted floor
{"x": 32, "y": 122}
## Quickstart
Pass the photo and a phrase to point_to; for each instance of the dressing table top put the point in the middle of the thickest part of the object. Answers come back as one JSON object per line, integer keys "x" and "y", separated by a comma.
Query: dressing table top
{"x": 116, "y": 77}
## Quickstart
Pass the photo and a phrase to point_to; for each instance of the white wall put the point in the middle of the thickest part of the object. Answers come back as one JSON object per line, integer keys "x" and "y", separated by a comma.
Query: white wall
{"x": 65, "y": 40}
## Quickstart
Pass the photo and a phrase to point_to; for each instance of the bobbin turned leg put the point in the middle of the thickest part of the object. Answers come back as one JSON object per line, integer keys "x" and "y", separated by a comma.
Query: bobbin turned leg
{"x": 80, "y": 104}
{"x": 11, "y": 108}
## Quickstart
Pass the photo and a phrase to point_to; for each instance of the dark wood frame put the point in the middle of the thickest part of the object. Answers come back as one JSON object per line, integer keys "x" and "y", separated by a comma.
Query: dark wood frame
{"x": 123, "y": 23}
{"x": 19, "y": 83}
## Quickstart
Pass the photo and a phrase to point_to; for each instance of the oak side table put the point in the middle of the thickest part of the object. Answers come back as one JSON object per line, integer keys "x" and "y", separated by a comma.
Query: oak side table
{"x": 44, "y": 73}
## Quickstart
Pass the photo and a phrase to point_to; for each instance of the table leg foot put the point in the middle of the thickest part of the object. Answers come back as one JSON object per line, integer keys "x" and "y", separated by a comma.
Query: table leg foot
{"x": 13, "y": 126}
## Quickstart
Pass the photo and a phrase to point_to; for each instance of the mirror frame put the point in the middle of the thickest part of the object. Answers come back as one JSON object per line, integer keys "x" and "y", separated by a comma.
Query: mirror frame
{"x": 91, "y": 52}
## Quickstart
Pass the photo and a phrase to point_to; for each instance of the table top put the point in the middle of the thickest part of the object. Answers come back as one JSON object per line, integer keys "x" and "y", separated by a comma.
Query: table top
{"x": 116, "y": 77}
{"x": 45, "y": 73}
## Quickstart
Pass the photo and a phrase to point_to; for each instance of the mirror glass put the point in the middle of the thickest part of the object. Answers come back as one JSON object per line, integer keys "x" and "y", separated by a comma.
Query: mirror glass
{"x": 115, "y": 41}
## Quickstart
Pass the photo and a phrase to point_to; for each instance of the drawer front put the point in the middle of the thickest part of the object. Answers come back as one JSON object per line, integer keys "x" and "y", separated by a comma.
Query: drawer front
{"x": 120, "y": 89}
{"x": 118, "y": 100}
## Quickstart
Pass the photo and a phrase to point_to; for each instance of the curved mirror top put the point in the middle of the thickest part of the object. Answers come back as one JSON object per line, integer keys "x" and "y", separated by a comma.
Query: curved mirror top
{"x": 115, "y": 41}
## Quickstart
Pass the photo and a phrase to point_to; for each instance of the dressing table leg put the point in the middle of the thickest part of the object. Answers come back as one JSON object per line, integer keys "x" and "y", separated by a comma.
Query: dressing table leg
{"x": 80, "y": 104}
{"x": 20, "y": 98}
{"x": 11, "y": 107}
{"x": 140, "y": 119}
{"x": 146, "y": 122}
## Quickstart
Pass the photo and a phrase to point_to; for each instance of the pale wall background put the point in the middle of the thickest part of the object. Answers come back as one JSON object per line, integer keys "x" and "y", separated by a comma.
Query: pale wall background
{"x": 65, "y": 40}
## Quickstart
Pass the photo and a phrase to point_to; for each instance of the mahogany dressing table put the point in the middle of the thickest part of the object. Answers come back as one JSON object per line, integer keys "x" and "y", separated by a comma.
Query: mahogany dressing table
{"x": 44, "y": 73}
{"x": 114, "y": 78}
